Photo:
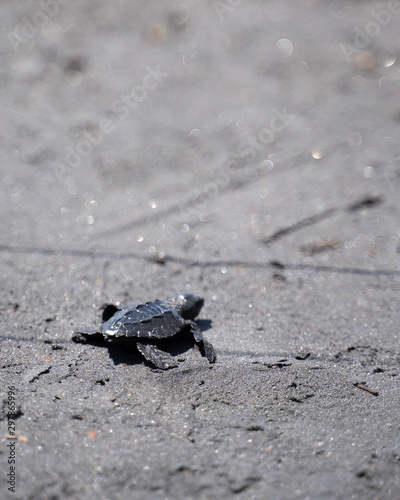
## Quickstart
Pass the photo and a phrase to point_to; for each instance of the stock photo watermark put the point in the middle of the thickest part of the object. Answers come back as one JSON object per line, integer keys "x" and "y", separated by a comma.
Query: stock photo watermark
{"x": 363, "y": 35}
{"x": 253, "y": 148}
{"x": 12, "y": 439}
{"x": 30, "y": 27}
{"x": 121, "y": 109}
{"x": 224, "y": 7}
{"x": 256, "y": 144}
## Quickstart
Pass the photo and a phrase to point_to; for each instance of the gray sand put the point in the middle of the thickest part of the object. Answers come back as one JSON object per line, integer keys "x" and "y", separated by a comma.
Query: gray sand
{"x": 244, "y": 150}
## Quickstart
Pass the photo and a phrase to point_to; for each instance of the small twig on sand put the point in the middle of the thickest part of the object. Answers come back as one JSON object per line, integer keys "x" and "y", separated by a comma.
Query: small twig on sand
{"x": 365, "y": 388}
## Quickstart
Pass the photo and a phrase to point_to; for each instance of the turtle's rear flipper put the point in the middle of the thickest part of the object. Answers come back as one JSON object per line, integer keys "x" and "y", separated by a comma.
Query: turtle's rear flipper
{"x": 209, "y": 351}
{"x": 85, "y": 336}
{"x": 205, "y": 347}
{"x": 155, "y": 356}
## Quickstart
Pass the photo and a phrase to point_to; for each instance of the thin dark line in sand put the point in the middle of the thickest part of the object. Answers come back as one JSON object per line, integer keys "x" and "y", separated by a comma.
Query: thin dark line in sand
{"x": 366, "y": 202}
{"x": 195, "y": 263}
{"x": 235, "y": 182}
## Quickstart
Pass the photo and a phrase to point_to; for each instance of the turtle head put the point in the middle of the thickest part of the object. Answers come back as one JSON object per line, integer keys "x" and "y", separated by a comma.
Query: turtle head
{"x": 188, "y": 305}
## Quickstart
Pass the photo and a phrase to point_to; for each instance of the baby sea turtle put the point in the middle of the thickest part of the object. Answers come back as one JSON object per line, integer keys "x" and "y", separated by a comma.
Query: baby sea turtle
{"x": 151, "y": 322}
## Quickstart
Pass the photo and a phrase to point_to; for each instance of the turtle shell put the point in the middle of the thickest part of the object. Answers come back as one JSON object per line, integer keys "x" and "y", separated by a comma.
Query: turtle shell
{"x": 152, "y": 320}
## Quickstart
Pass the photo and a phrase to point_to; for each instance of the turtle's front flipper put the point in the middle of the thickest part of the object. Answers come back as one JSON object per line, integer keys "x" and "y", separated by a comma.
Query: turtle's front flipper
{"x": 205, "y": 346}
{"x": 84, "y": 336}
{"x": 155, "y": 356}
